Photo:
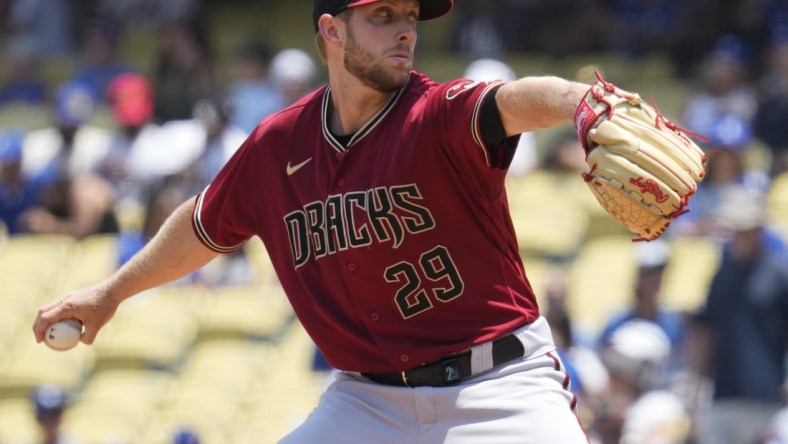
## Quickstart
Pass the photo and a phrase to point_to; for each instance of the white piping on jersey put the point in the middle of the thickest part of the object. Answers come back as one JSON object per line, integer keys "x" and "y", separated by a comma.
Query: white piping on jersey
{"x": 201, "y": 230}
{"x": 477, "y": 137}
{"x": 372, "y": 123}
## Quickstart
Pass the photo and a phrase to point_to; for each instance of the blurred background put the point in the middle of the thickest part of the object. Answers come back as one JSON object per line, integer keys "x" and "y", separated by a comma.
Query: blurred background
{"x": 112, "y": 112}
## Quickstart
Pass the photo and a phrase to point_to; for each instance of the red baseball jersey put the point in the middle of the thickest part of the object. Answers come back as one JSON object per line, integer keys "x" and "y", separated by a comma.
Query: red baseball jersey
{"x": 394, "y": 248}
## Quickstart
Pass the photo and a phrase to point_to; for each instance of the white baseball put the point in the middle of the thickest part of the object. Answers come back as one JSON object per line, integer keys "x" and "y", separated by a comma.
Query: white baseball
{"x": 63, "y": 335}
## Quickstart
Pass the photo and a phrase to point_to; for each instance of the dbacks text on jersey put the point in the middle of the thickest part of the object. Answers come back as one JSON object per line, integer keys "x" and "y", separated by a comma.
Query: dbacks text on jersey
{"x": 356, "y": 219}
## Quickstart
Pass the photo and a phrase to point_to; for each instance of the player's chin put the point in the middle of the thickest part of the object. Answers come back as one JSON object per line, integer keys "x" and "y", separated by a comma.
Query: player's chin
{"x": 401, "y": 74}
{"x": 402, "y": 66}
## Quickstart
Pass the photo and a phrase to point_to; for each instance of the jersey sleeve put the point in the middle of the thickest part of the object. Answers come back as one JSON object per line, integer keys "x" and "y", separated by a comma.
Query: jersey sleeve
{"x": 469, "y": 118}
{"x": 468, "y": 127}
{"x": 224, "y": 216}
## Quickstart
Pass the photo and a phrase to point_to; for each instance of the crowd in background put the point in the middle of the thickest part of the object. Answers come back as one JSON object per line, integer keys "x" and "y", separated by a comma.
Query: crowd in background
{"x": 651, "y": 376}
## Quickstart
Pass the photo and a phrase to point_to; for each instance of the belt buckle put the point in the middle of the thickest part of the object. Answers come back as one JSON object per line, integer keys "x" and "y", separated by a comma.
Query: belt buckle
{"x": 450, "y": 371}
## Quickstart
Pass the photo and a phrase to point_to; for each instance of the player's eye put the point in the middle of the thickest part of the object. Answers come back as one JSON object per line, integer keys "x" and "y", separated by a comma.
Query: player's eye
{"x": 384, "y": 15}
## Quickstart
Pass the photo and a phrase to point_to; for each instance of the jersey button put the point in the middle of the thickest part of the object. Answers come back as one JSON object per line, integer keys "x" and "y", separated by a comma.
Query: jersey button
{"x": 340, "y": 156}
{"x": 351, "y": 266}
{"x": 341, "y": 182}
{"x": 374, "y": 317}
{"x": 404, "y": 358}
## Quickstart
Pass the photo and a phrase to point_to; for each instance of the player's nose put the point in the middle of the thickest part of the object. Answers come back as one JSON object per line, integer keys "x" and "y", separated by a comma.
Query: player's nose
{"x": 406, "y": 32}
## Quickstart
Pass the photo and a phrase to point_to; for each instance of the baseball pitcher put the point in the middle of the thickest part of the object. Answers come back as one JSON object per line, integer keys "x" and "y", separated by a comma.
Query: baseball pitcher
{"x": 380, "y": 199}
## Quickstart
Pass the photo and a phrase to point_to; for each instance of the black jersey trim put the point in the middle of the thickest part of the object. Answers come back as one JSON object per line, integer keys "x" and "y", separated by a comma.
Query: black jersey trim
{"x": 365, "y": 129}
{"x": 489, "y": 133}
{"x": 476, "y": 127}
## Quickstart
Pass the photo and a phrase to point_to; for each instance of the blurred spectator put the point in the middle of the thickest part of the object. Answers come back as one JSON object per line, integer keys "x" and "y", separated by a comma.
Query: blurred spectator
{"x": 233, "y": 269}
{"x": 17, "y": 192}
{"x": 646, "y": 27}
{"x": 656, "y": 417}
{"x": 728, "y": 87}
{"x": 72, "y": 199}
{"x": 635, "y": 356}
{"x": 162, "y": 200}
{"x": 208, "y": 140}
{"x": 741, "y": 332}
{"x": 565, "y": 155}
{"x": 777, "y": 432}
{"x": 489, "y": 69}
{"x": 100, "y": 63}
{"x": 478, "y": 32}
{"x": 652, "y": 259}
{"x": 252, "y": 95}
{"x": 48, "y": 26}
{"x": 22, "y": 83}
{"x": 185, "y": 436}
{"x": 71, "y": 145}
{"x": 293, "y": 73}
{"x": 538, "y": 26}
{"x": 50, "y": 403}
{"x": 148, "y": 13}
{"x": 184, "y": 71}
{"x": 729, "y": 139}
{"x": 138, "y": 157}
{"x": 759, "y": 20}
{"x": 588, "y": 375}
{"x": 772, "y": 113}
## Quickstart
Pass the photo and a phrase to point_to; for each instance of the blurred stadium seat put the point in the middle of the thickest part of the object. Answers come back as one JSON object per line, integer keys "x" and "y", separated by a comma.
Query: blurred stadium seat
{"x": 34, "y": 258}
{"x": 146, "y": 332}
{"x": 28, "y": 364}
{"x": 693, "y": 261}
{"x": 285, "y": 391}
{"x": 777, "y": 203}
{"x": 93, "y": 259}
{"x": 126, "y": 402}
{"x": 601, "y": 280}
{"x": 243, "y": 312}
{"x": 89, "y": 424}
{"x": 547, "y": 217}
{"x": 17, "y": 421}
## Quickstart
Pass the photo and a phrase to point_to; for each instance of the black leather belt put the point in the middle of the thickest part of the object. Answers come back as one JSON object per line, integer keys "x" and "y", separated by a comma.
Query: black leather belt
{"x": 451, "y": 369}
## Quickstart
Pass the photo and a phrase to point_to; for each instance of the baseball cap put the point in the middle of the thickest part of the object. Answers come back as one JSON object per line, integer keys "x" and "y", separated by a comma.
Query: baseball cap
{"x": 430, "y": 9}
{"x": 74, "y": 103}
{"x": 741, "y": 209}
{"x": 49, "y": 398}
{"x": 637, "y": 351}
{"x": 131, "y": 96}
{"x": 292, "y": 65}
{"x": 657, "y": 416}
{"x": 652, "y": 255}
{"x": 185, "y": 436}
{"x": 487, "y": 69}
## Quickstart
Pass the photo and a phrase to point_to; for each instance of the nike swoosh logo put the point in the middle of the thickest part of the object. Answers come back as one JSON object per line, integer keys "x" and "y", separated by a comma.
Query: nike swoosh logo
{"x": 292, "y": 169}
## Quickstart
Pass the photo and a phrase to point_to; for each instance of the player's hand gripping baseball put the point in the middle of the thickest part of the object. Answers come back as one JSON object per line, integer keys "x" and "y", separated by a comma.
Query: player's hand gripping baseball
{"x": 94, "y": 306}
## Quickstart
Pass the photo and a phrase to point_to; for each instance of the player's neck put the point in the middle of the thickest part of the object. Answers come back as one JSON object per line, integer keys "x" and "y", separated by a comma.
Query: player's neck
{"x": 353, "y": 105}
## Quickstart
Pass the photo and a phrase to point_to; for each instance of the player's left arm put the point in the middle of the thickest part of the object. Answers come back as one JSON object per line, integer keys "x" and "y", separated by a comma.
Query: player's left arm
{"x": 533, "y": 103}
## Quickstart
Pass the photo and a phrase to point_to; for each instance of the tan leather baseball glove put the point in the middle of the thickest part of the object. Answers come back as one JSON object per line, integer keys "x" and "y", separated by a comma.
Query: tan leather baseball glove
{"x": 643, "y": 167}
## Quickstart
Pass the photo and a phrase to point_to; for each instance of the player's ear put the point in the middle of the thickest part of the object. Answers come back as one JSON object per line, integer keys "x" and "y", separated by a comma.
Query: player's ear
{"x": 327, "y": 26}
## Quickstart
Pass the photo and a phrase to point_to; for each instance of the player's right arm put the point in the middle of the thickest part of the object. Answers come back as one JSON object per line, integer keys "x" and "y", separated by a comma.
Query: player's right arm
{"x": 174, "y": 252}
